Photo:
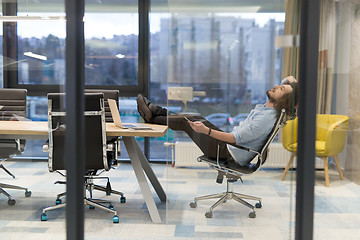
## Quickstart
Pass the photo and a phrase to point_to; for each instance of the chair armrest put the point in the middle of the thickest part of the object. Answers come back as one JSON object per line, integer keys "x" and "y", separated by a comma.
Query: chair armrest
{"x": 335, "y": 137}
{"x": 112, "y": 151}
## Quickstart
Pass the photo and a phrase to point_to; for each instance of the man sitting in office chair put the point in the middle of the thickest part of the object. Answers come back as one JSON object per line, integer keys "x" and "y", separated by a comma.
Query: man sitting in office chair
{"x": 250, "y": 133}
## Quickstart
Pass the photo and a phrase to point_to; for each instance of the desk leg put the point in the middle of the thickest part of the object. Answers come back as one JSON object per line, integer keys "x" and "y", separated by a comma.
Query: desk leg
{"x": 130, "y": 145}
{"x": 149, "y": 172}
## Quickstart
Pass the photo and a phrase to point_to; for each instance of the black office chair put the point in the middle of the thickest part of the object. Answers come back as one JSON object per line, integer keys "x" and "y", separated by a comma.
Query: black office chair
{"x": 96, "y": 159}
{"x": 12, "y": 108}
{"x": 233, "y": 172}
{"x": 112, "y": 142}
{"x": 108, "y": 94}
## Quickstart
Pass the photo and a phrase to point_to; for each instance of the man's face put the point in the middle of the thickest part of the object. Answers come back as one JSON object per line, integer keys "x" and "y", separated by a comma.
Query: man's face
{"x": 277, "y": 92}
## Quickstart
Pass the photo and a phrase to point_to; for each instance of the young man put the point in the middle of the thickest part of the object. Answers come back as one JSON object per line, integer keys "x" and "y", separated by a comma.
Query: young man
{"x": 250, "y": 133}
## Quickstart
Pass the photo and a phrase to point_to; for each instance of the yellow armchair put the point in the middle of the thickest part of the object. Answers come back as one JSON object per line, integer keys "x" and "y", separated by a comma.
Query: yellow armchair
{"x": 330, "y": 140}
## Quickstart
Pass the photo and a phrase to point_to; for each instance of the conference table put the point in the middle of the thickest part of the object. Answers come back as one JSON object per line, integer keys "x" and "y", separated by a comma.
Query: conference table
{"x": 141, "y": 166}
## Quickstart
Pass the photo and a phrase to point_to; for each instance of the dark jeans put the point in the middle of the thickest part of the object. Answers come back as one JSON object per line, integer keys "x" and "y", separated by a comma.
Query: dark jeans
{"x": 207, "y": 144}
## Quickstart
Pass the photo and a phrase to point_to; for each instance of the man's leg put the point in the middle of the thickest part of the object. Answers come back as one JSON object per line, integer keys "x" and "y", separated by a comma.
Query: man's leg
{"x": 159, "y": 115}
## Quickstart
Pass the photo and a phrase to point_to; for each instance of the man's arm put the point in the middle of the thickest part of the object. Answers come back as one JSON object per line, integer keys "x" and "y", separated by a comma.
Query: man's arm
{"x": 222, "y": 136}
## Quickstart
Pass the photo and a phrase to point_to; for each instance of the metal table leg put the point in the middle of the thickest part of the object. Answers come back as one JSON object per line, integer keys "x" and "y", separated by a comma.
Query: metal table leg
{"x": 131, "y": 147}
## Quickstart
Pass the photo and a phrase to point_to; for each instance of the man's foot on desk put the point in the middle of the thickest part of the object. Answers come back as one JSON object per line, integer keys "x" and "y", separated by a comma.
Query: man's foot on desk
{"x": 143, "y": 109}
{"x": 149, "y": 110}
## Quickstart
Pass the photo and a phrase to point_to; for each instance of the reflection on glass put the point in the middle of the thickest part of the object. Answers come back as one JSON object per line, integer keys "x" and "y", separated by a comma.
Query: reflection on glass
{"x": 230, "y": 57}
{"x": 111, "y": 50}
{"x": 1, "y": 60}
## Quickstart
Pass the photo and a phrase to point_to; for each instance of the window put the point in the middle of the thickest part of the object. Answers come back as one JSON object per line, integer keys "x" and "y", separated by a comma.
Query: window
{"x": 231, "y": 57}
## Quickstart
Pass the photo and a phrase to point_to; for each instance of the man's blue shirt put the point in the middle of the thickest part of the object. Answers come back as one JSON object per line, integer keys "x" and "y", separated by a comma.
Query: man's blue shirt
{"x": 252, "y": 133}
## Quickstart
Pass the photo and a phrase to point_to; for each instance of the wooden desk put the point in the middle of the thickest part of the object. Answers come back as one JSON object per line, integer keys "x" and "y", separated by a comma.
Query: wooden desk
{"x": 141, "y": 166}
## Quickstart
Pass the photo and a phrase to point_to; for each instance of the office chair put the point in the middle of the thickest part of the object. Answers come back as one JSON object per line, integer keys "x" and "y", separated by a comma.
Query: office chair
{"x": 96, "y": 160}
{"x": 113, "y": 142}
{"x": 108, "y": 94}
{"x": 330, "y": 140}
{"x": 233, "y": 172}
{"x": 12, "y": 107}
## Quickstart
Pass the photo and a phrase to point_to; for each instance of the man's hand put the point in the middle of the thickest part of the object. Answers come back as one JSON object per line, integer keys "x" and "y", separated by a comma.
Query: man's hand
{"x": 199, "y": 127}
{"x": 289, "y": 80}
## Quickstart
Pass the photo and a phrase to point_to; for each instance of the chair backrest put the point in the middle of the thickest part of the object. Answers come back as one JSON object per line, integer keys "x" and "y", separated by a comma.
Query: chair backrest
{"x": 12, "y": 107}
{"x": 289, "y": 135}
{"x": 95, "y": 132}
{"x": 263, "y": 152}
{"x": 12, "y": 103}
{"x": 108, "y": 94}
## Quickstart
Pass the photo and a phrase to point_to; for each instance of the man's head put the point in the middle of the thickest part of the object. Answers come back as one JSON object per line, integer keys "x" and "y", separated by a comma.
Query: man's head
{"x": 284, "y": 97}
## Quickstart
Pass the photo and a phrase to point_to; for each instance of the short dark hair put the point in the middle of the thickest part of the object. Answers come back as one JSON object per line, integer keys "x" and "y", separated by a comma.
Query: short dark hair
{"x": 288, "y": 101}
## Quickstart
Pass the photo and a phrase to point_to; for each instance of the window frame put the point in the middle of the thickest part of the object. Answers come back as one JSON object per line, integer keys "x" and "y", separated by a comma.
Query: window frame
{"x": 10, "y": 50}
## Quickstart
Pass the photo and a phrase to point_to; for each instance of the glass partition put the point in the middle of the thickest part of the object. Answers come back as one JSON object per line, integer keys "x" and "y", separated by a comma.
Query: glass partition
{"x": 211, "y": 62}
{"x": 221, "y": 61}
{"x": 33, "y": 53}
{"x": 111, "y": 46}
{"x": 336, "y": 195}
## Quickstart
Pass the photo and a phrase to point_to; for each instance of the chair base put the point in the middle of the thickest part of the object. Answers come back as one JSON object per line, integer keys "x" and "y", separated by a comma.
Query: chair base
{"x": 229, "y": 194}
{"x": 7, "y": 171}
{"x": 92, "y": 203}
{"x": 10, "y": 200}
{"x": 89, "y": 186}
{"x": 110, "y": 191}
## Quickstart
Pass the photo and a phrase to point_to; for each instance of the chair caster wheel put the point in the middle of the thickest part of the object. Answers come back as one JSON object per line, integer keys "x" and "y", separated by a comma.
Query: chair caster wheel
{"x": 115, "y": 219}
{"x": 11, "y": 201}
{"x": 193, "y": 204}
{"x": 123, "y": 199}
{"x": 58, "y": 201}
{"x": 43, "y": 217}
{"x": 111, "y": 207}
{"x": 27, "y": 193}
{"x": 91, "y": 207}
{"x": 209, "y": 215}
{"x": 252, "y": 215}
{"x": 258, "y": 205}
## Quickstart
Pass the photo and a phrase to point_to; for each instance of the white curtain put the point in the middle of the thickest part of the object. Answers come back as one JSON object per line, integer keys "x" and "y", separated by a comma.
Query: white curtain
{"x": 292, "y": 22}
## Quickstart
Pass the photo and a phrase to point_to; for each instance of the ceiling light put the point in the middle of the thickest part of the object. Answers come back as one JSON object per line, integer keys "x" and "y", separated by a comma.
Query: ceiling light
{"x": 37, "y": 56}
{"x": 31, "y": 18}
{"x": 120, "y": 55}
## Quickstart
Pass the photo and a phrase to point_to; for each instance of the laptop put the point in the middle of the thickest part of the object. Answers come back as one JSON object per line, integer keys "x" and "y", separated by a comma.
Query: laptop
{"x": 117, "y": 119}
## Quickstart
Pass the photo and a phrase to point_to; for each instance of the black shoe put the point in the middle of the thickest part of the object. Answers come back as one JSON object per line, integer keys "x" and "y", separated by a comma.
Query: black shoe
{"x": 143, "y": 108}
{"x": 155, "y": 110}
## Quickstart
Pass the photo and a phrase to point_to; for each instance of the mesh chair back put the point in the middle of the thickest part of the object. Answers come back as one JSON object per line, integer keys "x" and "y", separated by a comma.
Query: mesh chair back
{"x": 261, "y": 154}
{"x": 95, "y": 132}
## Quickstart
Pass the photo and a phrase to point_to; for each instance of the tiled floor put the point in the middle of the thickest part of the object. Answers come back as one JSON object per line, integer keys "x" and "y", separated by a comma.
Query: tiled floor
{"x": 337, "y": 215}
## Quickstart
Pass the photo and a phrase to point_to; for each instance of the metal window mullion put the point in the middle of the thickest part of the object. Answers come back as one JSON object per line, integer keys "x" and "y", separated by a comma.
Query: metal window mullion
{"x": 10, "y": 37}
{"x": 144, "y": 74}
{"x": 74, "y": 139}
{"x": 308, "y": 62}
